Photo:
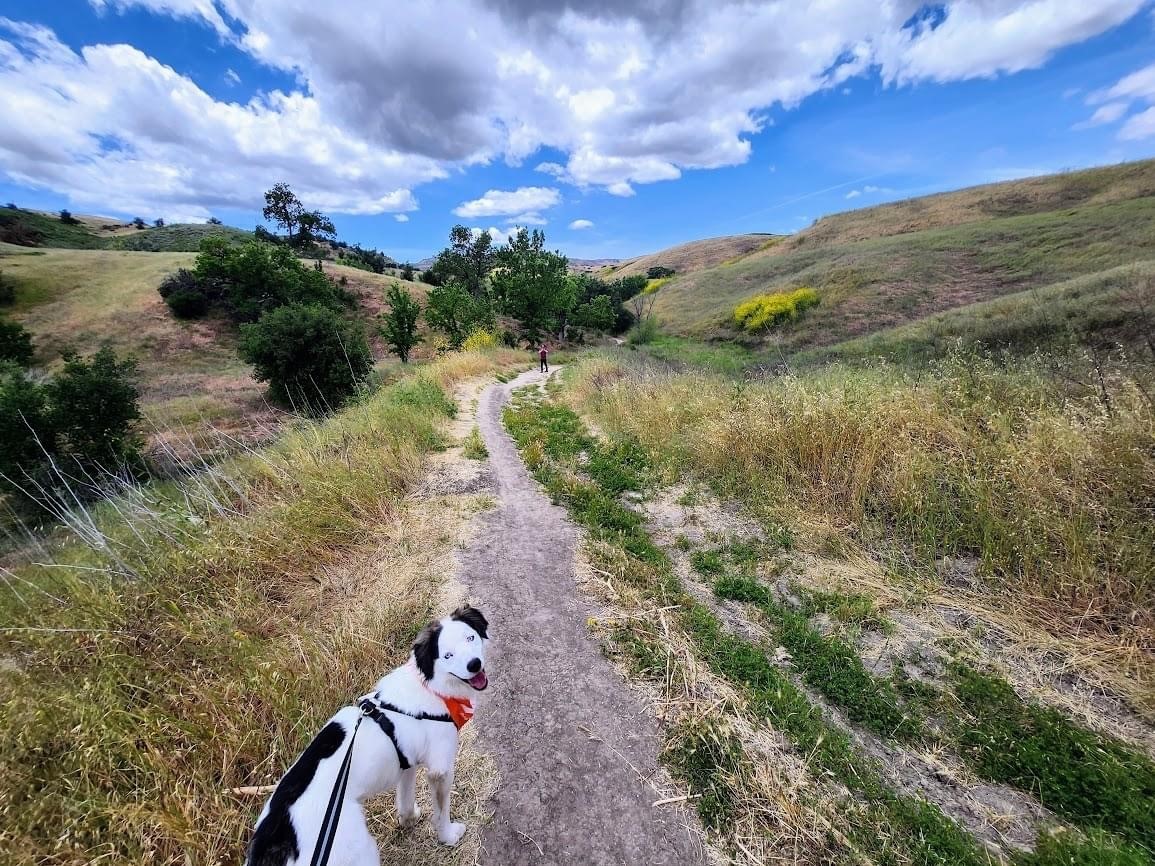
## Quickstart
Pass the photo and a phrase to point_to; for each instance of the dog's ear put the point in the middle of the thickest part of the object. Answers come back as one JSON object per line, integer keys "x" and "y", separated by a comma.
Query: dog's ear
{"x": 473, "y": 618}
{"x": 425, "y": 649}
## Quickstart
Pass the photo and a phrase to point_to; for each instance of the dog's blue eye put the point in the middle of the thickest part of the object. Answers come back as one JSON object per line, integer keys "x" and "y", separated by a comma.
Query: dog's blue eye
{"x": 470, "y": 638}
{"x": 448, "y": 656}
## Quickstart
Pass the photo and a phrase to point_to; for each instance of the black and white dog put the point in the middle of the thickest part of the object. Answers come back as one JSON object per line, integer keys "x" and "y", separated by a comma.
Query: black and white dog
{"x": 410, "y": 720}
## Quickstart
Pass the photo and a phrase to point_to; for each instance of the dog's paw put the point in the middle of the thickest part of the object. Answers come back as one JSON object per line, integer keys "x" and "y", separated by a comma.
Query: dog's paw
{"x": 408, "y": 819}
{"x": 452, "y": 834}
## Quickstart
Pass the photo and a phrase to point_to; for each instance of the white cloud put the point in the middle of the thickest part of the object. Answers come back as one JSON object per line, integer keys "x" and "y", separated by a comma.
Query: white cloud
{"x": 1140, "y": 126}
{"x": 114, "y": 128}
{"x": 401, "y": 217}
{"x": 232, "y": 78}
{"x": 854, "y": 193}
{"x": 869, "y": 190}
{"x": 580, "y": 225}
{"x": 629, "y": 92}
{"x": 526, "y": 200}
{"x": 1115, "y": 101}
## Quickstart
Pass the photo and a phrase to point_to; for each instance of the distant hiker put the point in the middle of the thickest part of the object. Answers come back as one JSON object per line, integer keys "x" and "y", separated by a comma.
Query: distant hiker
{"x": 543, "y": 356}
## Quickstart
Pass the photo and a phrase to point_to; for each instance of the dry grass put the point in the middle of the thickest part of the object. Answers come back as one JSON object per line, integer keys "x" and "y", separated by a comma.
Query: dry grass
{"x": 204, "y": 632}
{"x": 1047, "y": 492}
{"x": 694, "y": 256}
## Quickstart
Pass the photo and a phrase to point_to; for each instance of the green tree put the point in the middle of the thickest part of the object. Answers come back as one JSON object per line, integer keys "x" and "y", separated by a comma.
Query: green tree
{"x": 94, "y": 405}
{"x": 15, "y": 343}
{"x": 253, "y": 278}
{"x": 158, "y": 222}
{"x": 407, "y": 272}
{"x": 213, "y": 221}
{"x": 312, "y": 358}
{"x": 399, "y": 326}
{"x": 597, "y": 314}
{"x": 284, "y": 208}
{"x": 451, "y": 309}
{"x": 533, "y": 284}
{"x": 468, "y": 261}
{"x": 67, "y": 218}
{"x": 313, "y": 226}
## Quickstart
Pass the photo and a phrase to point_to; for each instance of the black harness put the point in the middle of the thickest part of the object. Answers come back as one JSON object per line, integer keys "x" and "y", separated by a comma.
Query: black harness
{"x": 372, "y": 708}
{"x": 375, "y": 709}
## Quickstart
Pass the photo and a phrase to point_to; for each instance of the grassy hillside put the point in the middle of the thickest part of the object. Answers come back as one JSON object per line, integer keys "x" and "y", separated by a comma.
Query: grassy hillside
{"x": 191, "y": 376}
{"x": 893, "y": 265}
{"x": 37, "y": 229}
{"x": 177, "y": 238}
{"x": 691, "y": 257}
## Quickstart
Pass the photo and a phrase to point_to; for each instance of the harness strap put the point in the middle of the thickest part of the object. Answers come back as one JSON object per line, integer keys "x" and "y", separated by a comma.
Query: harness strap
{"x": 377, "y": 714}
{"x": 421, "y": 717}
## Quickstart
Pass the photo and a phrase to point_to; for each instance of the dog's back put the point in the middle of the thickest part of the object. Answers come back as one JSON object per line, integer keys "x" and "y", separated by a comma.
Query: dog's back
{"x": 275, "y": 841}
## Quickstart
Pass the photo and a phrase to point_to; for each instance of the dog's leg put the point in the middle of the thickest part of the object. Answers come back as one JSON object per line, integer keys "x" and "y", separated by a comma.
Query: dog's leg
{"x": 407, "y": 809}
{"x": 448, "y": 832}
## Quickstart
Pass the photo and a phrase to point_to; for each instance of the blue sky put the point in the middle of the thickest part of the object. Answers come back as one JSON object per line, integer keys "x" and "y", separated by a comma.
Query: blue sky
{"x": 704, "y": 120}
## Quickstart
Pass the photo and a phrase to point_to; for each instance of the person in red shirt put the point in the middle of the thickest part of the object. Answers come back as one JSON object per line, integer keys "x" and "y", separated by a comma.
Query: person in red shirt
{"x": 543, "y": 357}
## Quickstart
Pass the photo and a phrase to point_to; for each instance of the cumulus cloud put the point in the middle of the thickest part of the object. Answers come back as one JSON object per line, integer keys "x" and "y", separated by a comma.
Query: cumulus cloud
{"x": 401, "y": 217}
{"x": 390, "y": 96}
{"x": 113, "y": 127}
{"x": 526, "y": 200}
{"x": 580, "y": 225}
{"x": 869, "y": 190}
{"x": 854, "y": 193}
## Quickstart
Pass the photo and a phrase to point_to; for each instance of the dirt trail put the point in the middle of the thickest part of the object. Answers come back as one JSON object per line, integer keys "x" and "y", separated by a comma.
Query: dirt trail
{"x": 575, "y": 748}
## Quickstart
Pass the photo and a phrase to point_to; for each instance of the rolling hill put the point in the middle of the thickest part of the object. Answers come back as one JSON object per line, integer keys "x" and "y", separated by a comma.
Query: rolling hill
{"x": 896, "y": 264}
{"x": 692, "y": 257}
{"x": 194, "y": 385}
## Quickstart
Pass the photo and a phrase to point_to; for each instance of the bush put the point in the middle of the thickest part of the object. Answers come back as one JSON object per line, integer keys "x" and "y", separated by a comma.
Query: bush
{"x": 82, "y": 421}
{"x": 139, "y": 223}
{"x": 94, "y": 405}
{"x": 7, "y": 291}
{"x": 480, "y": 338}
{"x": 313, "y": 359}
{"x": 643, "y": 332}
{"x": 763, "y": 312}
{"x": 254, "y": 278}
{"x": 67, "y": 218}
{"x": 186, "y": 296}
{"x": 659, "y": 273}
{"x": 15, "y": 343}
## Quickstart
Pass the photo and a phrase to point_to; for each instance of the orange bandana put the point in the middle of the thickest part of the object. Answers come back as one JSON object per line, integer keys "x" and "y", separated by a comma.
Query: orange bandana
{"x": 460, "y": 710}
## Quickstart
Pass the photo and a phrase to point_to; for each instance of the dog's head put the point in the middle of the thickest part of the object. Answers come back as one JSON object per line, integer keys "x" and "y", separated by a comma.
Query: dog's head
{"x": 451, "y": 653}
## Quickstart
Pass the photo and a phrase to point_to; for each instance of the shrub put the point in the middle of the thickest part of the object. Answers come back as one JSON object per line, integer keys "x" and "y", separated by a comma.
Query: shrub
{"x": 254, "y": 278}
{"x": 186, "y": 296}
{"x": 15, "y": 343}
{"x": 94, "y": 405}
{"x": 158, "y": 222}
{"x": 139, "y": 223}
{"x": 645, "y": 331}
{"x": 763, "y": 312}
{"x": 7, "y": 291}
{"x": 480, "y": 338}
{"x": 312, "y": 358}
{"x": 67, "y": 218}
{"x": 213, "y": 221}
{"x": 658, "y": 273}
{"x": 26, "y": 434}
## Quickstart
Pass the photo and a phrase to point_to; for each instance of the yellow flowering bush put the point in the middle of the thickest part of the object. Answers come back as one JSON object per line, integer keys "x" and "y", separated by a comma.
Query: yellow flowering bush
{"x": 479, "y": 339}
{"x": 763, "y": 312}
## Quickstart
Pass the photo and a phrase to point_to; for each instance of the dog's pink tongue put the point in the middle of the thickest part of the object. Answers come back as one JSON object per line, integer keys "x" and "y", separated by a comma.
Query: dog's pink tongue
{"x": 479, "y": 680}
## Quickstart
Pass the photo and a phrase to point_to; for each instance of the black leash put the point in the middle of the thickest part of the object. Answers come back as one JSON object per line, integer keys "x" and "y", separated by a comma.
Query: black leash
{"x": 333, "y": 813}
{"x": 336, "y": 799}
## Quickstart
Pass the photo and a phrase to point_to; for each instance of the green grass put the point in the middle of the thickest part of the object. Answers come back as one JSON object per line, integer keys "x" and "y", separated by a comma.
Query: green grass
{"x": 474, "y": 446}
{"x": 47, "y": 231}
{"x": 721, "y": 357}
{"x": 178, "y": 238}
{"x": 1089, "y": 778}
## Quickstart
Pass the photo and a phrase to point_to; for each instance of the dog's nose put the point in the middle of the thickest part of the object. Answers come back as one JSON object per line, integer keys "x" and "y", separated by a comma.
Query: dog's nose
{"x": 474, "y": 666}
